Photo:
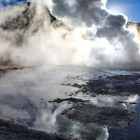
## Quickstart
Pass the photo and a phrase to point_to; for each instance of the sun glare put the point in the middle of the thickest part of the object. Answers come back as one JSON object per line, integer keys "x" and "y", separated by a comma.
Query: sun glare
{"x": 115, "y": 9}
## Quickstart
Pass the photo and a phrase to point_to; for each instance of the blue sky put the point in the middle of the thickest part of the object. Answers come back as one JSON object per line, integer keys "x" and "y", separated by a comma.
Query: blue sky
{"x": 130, "y": 8}
{"x": 10, "y": 2}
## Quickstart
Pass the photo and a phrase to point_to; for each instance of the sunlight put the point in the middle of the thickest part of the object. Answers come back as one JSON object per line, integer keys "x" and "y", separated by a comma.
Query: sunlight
{"x": 115, "y": 9}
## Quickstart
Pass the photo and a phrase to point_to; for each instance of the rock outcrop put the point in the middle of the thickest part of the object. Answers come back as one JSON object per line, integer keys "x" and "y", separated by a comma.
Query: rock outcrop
{"x": 14, "y": 131}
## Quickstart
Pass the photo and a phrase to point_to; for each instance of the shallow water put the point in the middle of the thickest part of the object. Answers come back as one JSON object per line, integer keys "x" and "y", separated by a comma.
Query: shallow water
{"x": 130, "y": 132}
{"x": 73, "y": 102}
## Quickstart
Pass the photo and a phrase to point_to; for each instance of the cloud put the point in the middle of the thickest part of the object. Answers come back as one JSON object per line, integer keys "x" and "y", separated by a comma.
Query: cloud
{"x": 80, "y": 12}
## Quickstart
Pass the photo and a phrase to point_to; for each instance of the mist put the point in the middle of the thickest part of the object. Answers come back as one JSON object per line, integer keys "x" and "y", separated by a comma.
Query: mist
{"x": 41, "y": 36}
{"x": 100, "y": 40}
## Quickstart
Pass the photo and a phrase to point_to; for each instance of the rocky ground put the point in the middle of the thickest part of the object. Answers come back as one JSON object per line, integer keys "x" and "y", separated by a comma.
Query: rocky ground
{"x": 123, "y": 85}
{"x": 85, "y": 104}
{"x": 13, "y": 131}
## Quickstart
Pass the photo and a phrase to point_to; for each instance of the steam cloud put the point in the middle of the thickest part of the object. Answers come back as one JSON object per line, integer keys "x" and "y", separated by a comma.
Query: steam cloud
{"x": 85, "y": 34}
{"x": 112, "y": 27}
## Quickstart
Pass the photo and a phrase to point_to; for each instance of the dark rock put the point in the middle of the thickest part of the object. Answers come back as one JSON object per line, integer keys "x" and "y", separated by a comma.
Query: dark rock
{"x": 102, "y": 116}
{"x": 74, "y": 100}
{"x": 13, "y": 131}
{"x": 123, "y": 85}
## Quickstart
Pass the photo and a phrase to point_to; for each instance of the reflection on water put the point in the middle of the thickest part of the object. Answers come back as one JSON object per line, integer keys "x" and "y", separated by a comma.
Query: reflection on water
{"x": 74, "y": 102}
{"x": 131, "y": 132}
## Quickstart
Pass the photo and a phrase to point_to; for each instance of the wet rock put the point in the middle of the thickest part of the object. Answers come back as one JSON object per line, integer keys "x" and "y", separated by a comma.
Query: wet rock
{"x": 13, "y": 131}
{"x": 73, "y": 100}
{"x": 123, "y": 85}
{"x": 102, "y": 116}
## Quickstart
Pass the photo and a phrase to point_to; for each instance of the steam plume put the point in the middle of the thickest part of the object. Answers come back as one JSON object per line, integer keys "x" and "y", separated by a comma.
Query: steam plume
{"x": 58, "y": 32}
{"x": 37, "y": 37}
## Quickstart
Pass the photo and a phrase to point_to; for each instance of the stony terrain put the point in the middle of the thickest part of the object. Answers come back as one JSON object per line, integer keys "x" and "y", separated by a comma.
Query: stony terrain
{"x": 13, "y": 131}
